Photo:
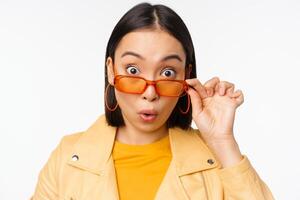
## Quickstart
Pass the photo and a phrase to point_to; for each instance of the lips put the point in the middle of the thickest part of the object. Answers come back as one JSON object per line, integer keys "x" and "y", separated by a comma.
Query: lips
{"x": 148, "y": 111}
{"x": 148, "y": 115}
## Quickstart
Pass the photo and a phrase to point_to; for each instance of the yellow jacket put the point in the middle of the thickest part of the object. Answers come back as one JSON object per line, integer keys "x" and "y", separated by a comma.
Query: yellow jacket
{"x": 82, "y": 168}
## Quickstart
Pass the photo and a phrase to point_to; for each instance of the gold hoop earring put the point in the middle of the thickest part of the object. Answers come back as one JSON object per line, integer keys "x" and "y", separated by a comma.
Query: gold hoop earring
{"x": 105, "y": 99}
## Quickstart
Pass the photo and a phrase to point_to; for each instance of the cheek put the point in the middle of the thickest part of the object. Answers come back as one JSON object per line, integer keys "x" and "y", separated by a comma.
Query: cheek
{"x": 124, "y": 100}
{"x": 169, "y": 103}
{"x": 128, "y": 102}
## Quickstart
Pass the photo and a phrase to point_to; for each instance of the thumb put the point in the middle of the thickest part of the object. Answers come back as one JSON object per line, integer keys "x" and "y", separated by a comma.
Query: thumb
{"x": 197, "y": 106}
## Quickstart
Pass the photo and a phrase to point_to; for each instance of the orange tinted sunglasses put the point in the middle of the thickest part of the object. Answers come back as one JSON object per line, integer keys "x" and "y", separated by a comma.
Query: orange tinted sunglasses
{"x": 163, "y": 87}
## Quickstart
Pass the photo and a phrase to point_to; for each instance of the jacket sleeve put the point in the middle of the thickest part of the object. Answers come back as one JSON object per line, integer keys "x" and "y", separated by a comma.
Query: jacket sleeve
{"x": 46, "y": 188}
{"x": 241, "y": 182}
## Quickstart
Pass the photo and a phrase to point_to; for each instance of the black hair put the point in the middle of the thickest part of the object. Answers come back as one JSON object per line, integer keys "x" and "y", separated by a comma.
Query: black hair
{"x": 145, "y": 15}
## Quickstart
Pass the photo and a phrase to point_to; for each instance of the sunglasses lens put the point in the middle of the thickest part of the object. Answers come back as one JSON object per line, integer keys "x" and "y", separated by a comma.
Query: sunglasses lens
{"x": 136, "y": 85}
{"x": 169, "y": 88}
{"x": 130, "y": 84}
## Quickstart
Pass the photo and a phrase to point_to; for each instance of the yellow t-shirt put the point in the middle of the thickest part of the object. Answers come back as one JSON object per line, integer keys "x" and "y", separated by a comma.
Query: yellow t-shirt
{"x": 141, "y": 168}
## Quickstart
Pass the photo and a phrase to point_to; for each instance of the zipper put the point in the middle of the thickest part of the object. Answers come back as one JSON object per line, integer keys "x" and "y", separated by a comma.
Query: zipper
{"x": 205, "y": 186}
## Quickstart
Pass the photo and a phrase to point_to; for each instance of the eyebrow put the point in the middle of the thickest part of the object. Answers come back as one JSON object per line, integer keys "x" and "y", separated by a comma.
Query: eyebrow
{"x": 169, "y": 57}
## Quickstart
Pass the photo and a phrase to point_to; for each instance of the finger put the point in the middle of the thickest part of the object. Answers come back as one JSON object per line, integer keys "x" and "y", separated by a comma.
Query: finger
{"x": 212, "y": 82}
{"x": 209, "y": 91}
{"x": 239, "y": 97}
{"x": 196, "y": 84}
{"x": 210, "y": 85}
{"x": 223, "y": 86}
{"x": 196, "y": 101}
{"x": 229, "y": 91}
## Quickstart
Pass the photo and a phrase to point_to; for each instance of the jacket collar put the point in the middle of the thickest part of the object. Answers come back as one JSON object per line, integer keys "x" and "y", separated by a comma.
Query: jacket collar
{"x": 95, "y": 146}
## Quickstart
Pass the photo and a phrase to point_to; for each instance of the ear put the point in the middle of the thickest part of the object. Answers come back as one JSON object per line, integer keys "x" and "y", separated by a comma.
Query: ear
{"x": 110, "y": 70}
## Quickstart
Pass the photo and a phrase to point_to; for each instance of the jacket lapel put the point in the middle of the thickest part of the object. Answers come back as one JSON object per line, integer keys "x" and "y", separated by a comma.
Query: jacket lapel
{"x": 189, "y": 151}
{"x": 189, "y": 155}
{"x": 94, "y": 150}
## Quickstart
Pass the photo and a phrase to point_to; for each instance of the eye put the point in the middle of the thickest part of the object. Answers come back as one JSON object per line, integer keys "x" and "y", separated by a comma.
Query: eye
{"x": 131, "y": 69}
{"x": 169, "y": 73}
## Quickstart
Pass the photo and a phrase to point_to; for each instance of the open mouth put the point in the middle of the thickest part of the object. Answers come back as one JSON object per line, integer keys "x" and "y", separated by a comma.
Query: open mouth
{"x": 148, "y": 117}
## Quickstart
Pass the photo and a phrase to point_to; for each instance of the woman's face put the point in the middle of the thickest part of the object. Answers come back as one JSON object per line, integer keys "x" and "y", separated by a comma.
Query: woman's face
{"x": 141, "y": 53}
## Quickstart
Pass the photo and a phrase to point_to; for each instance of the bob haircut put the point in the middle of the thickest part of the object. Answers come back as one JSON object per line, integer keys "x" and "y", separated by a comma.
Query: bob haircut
{"x": 147, "y": 16}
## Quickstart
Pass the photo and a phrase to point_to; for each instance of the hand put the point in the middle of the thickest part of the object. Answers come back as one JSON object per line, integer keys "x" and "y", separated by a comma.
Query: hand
{"x": 213, "y": 108}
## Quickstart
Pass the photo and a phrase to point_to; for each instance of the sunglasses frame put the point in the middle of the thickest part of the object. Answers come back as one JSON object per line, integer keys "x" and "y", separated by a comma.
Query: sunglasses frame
{"x": 148, "y": 82}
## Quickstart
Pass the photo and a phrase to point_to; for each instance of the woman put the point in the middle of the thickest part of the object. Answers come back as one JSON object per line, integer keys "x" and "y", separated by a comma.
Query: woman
{"x": 144, "y": 146}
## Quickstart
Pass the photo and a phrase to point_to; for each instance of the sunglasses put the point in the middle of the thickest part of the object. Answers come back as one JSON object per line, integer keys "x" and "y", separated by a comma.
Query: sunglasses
{"x": 163, "y": 87}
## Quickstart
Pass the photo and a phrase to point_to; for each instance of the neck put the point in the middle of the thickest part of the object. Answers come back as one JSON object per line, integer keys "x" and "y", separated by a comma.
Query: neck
{"x": 129, "y": 134}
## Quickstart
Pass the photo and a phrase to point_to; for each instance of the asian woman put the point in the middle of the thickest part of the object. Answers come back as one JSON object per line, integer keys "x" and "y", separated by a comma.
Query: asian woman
{"x": 144, "y": 147}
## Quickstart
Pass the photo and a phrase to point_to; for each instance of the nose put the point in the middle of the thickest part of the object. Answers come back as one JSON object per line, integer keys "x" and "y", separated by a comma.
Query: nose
{"x": 150, "y": 93}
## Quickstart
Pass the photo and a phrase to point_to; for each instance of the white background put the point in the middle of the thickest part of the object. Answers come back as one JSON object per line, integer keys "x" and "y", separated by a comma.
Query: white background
{"x": 52, "y": 78}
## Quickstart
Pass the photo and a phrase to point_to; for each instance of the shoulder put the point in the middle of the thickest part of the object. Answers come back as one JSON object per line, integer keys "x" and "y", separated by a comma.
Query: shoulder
{"x": 197, "y": 134}
{"x": 187, "y": 138}
{"x": 63, "y": 149}
{"x": 192, "y": 133}
{"x": 69, "y": 140}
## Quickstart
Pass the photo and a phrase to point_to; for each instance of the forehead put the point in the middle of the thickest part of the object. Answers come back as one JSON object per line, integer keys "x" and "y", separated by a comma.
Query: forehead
{"x": 151, "y": 44}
